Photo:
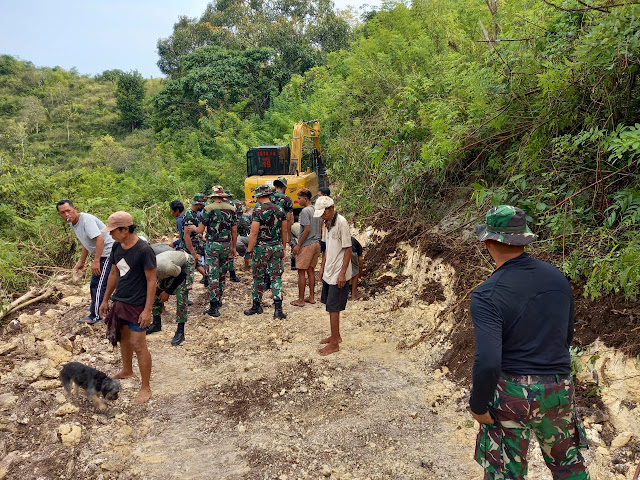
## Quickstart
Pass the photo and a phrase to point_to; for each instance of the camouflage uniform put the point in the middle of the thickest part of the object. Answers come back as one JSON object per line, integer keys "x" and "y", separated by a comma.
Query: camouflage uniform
{"x": 244, "y": 225}
{"x": 181, "y": 293}
{"x": 283, "y": 201}
{"x": 548, "y": 410}
{"x": 268, "y": 252}
{"x": 237, "y": 204}
{"x": 191, "y": 218}
{"x": 219, "y": 217}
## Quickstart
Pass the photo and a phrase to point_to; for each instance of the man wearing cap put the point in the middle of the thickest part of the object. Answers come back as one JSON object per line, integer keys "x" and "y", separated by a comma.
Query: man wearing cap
{"x": 335, "y": 270}
{"x": 192, "y": 238}
{"x": 88, "y": 231}
{"x": 523, "y": 319}
{"x": 238, "y": 206}
{"x": 267, "y": 241}
{"x": 132, "y": 281}
{"x": 220, "y": 220}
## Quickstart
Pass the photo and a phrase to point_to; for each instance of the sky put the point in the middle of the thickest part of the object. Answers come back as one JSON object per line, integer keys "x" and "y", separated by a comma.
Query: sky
{"x": 97, "y": 35}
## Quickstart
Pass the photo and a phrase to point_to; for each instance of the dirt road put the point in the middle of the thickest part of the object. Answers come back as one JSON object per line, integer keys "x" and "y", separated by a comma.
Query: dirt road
{"x": 249, "y": 397}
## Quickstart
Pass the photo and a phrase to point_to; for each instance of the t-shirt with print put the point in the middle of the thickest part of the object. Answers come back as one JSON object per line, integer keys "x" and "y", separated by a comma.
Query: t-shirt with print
{"x": 270, "y": 217}
{"x": 131, "y": 263}
{"x": 315, "y": 225}
{"x": 337, "y": 237}
{"x": 191, "y": 218}
{"x": 219, "y": 217}
{"x": 87, "y": 229}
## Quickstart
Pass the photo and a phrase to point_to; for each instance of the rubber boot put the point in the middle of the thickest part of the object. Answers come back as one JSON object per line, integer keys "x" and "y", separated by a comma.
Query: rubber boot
{"x": 255, "y": 308}
{"x": 178, "y": 338}
{"x": 233, "y": 276}
{"x": 156, "y": 325}
{"x": 213, "y": 310}
{"x": 277, "y": 312}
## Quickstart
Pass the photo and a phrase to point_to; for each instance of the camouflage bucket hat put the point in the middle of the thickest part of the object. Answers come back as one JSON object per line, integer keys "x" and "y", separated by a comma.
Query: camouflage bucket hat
{"x": 262, "y": 191}
{"x": 506, "y": 224}
{"x": 281, "y": 180}
{"x": 199, "y": 199}
{"x": 218, "y": 191}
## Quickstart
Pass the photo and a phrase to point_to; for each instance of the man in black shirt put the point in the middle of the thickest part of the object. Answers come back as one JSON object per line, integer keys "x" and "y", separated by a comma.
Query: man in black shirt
{"x": 133, "y": 277}
{"x": 523, "y": 318}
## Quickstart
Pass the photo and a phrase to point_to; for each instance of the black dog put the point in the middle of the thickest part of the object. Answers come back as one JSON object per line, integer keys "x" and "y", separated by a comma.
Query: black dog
{"x": 96, "y": 384}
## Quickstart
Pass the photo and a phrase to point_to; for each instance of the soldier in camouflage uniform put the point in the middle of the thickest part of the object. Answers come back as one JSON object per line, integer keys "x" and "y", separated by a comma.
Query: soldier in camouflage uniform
{"x": 191, "y": 237}
{"x": 220, "y": 220}
{"x": 172, "y": 273}
{"x": 238, "y": 206}
{"x": 266, "y": 244}
{"x": 281, "y": 199}
{"x": 523, "y": 318}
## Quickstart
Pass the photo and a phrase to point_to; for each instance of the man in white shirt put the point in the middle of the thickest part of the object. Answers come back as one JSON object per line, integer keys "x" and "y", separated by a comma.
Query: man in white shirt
{"x": 335, "y": 270}
{"x": 87, "y": 228}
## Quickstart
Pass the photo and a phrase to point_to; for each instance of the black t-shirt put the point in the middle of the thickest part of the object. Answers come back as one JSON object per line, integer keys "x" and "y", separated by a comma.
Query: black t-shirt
{"x": 356, "y": 247}
{"x": 132, "y": 282}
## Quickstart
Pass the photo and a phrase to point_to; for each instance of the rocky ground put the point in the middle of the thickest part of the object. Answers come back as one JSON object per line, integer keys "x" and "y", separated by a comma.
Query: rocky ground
{"x": 249, "y": 398}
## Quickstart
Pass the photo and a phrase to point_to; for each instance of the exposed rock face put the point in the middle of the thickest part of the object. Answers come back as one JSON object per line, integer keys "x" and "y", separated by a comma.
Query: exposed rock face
{"x": 70, "y": 434}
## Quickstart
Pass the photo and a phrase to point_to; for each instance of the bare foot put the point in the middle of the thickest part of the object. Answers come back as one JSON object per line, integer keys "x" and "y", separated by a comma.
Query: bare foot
{"x": 356, "y": 297}
{"x": 310, "y": 300}
{"x": 329, "y": 349}
{"x": 327, "y": 340}
{"x": 298, "y": 303}
{"x": 143, "y": 396}
{"x": 123, "y": 374}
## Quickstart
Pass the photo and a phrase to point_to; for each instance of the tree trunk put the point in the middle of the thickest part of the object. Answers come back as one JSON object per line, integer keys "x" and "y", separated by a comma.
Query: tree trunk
{"x": 68, "y": 131}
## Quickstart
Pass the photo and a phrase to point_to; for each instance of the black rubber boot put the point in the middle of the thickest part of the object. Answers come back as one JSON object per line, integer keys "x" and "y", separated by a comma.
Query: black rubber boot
{"x": 233, "y": 276}
{"x": 214, "y": 308}
{"x": 156, "y": 325}
{"x": 255, "y": 308}
{"x": 178, "y": 338}
{"x": 205, "y": 281}
{"x": 277, "y": 312}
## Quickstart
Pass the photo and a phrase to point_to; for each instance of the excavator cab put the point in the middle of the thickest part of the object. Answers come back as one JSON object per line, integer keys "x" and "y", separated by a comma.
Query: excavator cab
{"x": 268, "y": 160}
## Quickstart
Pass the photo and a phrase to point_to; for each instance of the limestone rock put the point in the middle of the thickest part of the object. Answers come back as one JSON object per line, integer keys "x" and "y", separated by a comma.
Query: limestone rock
{"x": 66, "y": 409}
{"x": 621, "y": 440}
{"x": 31, "y": 370}
{"x": 42, "y": 331}
{"x": 65, "y": 343}
{"x": 70, "y": 434}
{"x": 46, "y": 384}
{"x": 54, "y": 352}
{"x": 72, "y": 300}
{"x": 6, "y": 463}
{"x": 50, "y": 372}
{"x": 7, "y": 347}
{"x": 26, "y": 319}
{"x": 7, "y": 401}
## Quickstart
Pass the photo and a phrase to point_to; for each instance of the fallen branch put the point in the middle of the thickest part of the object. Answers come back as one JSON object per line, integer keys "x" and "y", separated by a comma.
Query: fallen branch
{"x": 47, "y": 293}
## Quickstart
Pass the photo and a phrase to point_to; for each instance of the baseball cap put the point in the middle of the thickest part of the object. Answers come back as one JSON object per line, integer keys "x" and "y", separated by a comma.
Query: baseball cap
{"x": 118, "y": 219}
{"x": 321, "y": 204}
{"x": 199, "y": 199}
{"x": 281, "y": 180}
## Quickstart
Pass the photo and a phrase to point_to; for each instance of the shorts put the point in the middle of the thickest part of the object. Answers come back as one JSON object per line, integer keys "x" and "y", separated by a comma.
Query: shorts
{"x": 134, "y": 327}
{"x": 334, "y": 297}
{"x": 355, "y": 264}
{"x": 308, "y": 256}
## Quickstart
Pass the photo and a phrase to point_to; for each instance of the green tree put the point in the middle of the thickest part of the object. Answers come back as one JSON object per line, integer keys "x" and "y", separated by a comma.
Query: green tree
{"x": 130, "y": 98}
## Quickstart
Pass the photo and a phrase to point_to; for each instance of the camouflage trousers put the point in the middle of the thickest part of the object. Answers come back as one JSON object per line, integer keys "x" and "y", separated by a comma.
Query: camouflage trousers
{"x": 191, "y": 270}
{"x": 217, "y": 261}
{"x": 266, "y": 263}
{"x": 546, "y": 409}
{"x": 182, "y": 297}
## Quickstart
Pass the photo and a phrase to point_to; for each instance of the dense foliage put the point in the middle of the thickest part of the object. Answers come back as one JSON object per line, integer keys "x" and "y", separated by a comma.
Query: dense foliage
{"x": 424, "y": 107}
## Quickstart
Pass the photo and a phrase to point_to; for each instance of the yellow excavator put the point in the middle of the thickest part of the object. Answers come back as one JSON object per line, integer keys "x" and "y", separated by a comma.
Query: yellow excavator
{"x": 265, "y": 164}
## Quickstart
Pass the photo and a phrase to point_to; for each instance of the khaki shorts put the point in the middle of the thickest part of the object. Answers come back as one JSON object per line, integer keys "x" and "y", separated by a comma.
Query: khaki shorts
{"x": 308, "y": 256}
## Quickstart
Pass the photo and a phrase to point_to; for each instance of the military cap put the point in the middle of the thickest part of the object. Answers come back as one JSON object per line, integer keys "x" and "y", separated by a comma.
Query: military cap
{"x": 262, "y": 191}
{"x": 229, "y": 194}
{"x": 506, "y": 224}
{"x": 281, "y": 180}
{"x": 218, "y": 191}
{"x": 199, "y": 199}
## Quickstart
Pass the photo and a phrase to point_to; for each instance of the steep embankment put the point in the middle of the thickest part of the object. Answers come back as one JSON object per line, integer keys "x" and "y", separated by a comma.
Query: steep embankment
{"x": 248, "y": 397}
